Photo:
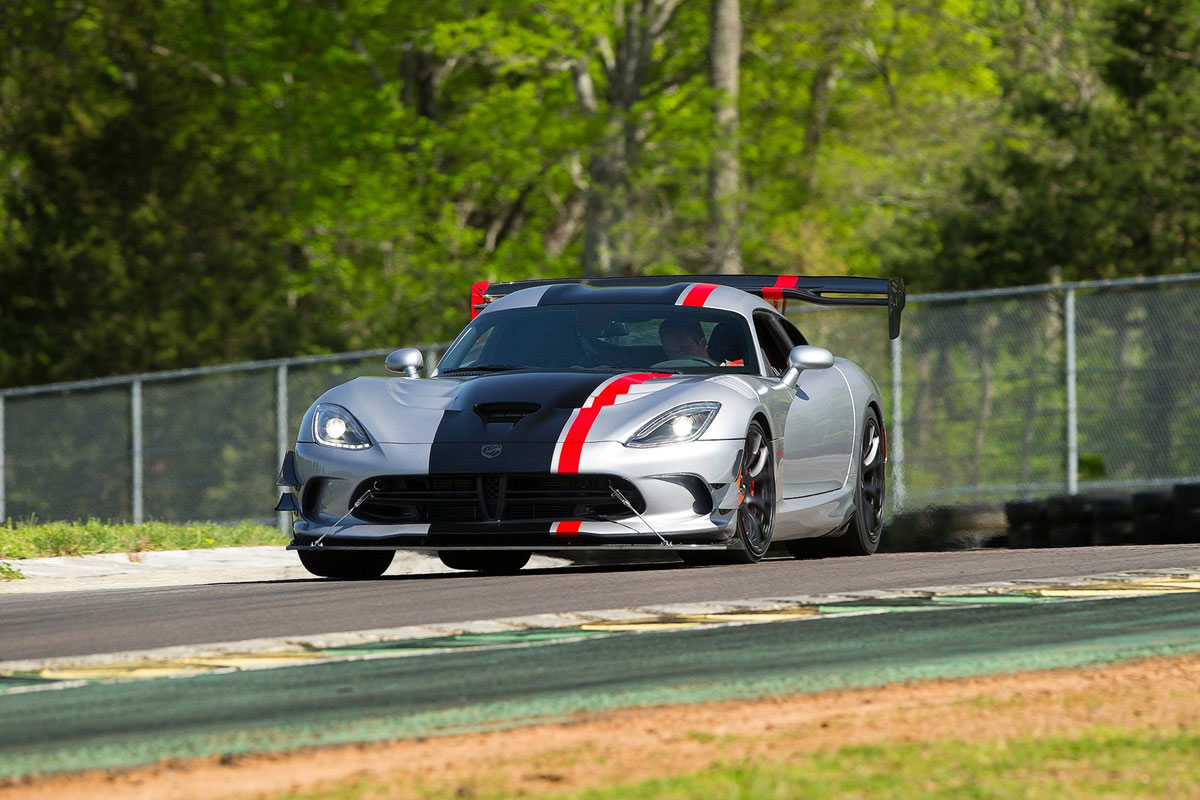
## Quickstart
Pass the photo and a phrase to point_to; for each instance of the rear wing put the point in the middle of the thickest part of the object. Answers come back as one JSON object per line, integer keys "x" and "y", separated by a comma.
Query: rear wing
{"x": 777, "y": 289}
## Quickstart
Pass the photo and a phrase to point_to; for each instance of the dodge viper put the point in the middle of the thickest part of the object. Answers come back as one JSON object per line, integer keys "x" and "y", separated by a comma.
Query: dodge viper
{"x": 673, "y": 413}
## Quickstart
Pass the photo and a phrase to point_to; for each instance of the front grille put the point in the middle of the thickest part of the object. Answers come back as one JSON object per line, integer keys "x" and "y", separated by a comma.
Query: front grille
{"x": 494, "y": 497}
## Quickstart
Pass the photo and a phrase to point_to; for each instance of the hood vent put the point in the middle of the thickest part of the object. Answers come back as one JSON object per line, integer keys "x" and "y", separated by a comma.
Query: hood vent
{"x": 511, "y": 413}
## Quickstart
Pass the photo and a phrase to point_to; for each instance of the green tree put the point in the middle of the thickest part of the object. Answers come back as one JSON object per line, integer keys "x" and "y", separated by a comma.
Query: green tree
{"x": 135, "y": 232}
{"x": 1097, "y": 173}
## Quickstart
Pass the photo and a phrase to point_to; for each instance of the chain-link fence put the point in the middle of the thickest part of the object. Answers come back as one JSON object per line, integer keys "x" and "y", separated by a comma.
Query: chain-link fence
{"x": 1001, "y": 394}
{"x": 199, "y": 444}
{"x": 1034, "y": 390}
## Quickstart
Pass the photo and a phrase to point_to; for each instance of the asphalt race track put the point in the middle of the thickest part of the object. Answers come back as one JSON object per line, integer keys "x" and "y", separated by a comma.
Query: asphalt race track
{"x": 463, "y": 683}
{"x": 78, "y": 623}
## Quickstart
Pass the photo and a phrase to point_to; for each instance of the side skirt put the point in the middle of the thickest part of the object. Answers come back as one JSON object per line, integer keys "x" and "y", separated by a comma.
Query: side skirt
{"x": 817, "y": 515}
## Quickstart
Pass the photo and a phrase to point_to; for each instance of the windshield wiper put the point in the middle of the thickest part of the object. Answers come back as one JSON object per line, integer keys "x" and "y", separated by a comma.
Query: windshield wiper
{"x": 484, "y": 368}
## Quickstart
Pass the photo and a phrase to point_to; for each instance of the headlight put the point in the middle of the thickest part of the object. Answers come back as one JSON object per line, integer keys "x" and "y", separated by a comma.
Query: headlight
{"x": 680, "y": 424}
{"x": 334, "y": 426}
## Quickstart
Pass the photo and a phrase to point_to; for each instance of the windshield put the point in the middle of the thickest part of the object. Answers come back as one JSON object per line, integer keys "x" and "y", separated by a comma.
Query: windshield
{"x": 604, "y": 336}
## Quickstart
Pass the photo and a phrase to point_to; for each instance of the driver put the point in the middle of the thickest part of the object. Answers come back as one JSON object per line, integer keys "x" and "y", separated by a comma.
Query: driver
{"x": 683, "y": 338}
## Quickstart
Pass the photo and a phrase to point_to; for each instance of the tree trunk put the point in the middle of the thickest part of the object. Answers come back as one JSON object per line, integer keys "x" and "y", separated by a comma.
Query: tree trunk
{"x": 723, "y": 188}
{"x": 608, "y": 238}
{"x": 602, "y": 209}
{"x": 820, "y": 101}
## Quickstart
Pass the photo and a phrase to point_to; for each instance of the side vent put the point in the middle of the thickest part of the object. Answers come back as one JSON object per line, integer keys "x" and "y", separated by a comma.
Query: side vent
{"x": 511, "y": 413}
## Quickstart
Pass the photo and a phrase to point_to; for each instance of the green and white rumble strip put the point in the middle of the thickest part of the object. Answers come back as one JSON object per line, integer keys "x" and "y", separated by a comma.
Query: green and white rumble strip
{"x": 545, "y": 629}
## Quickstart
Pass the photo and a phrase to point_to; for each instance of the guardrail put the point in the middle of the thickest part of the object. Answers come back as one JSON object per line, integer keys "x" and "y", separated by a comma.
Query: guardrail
{"x": 993, "y": 394}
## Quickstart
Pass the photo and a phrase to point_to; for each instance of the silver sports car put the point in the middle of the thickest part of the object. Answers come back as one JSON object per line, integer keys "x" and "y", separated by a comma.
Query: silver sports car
{"x": 680, "y": 413}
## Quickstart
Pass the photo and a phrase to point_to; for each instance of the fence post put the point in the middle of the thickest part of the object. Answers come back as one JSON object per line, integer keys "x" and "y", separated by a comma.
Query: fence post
{"x": 1072, "y": 399}
{"x": 135, "y": 425}
{"x": 281, "y": 435}
{"x": 895, "y": 441}
{"x": 3, "y": 518}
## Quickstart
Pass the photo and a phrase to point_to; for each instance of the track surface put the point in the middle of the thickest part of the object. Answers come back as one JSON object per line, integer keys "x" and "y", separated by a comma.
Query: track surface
{"x": 77, "y": 623}
{"x": 121, "y": 724}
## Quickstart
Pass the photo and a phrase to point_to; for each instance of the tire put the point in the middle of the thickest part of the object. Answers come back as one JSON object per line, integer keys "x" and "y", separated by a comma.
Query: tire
{"x": 1187, "y": 525}
{"x": 1026, "y": 523}
{"x": 1154, "y": 517}
{"x": 1148, "y": 503}
{"x": 1058, "y": 510}
{"x": 1186, "y": 495}
{"x": 1020, "y": 512}
{"x": 1187, "y": 512}
{"x": 1112, "y": 520}
{"x": 347, "y": 564}
{"x": 1020, "y": 536}
{"x": 755, "y": 512}
{"x": 489, "y": 562}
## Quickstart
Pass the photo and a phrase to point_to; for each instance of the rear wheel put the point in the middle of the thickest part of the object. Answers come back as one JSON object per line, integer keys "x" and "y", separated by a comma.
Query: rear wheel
{"x": 347, "y": 564}
{"x": 491, "y": 562}
{"x": 866, "y": 528}
{"x": 756, "y": 511}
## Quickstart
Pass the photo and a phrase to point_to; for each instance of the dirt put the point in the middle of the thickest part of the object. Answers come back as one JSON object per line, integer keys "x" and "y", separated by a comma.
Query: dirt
{"x": 629, "y": 745}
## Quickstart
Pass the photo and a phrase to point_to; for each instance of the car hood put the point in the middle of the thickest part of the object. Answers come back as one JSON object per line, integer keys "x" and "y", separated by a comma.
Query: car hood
{"x": 522, "y": 406}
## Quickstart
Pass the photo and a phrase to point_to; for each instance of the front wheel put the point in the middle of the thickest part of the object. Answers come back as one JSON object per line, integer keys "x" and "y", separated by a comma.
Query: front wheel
{"x": 347, "y": 564}
{"x": 495, "y": 562}
{"x": 756, "y": 509}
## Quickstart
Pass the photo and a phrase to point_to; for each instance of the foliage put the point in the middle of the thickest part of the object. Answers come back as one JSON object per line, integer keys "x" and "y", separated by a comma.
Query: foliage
{"x": 1096, "y": 173}
{"x": 39, "y": 539}
{"x": 188, "y": 182}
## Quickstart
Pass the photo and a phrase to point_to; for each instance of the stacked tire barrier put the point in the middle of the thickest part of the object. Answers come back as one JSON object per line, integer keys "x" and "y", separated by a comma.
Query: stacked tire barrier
{"x": 1159, "y": 517}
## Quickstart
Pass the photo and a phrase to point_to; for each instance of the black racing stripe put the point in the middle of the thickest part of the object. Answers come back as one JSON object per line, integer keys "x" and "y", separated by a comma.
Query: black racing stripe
{"x": 566, "y": 294}
{"x": 527, "y": 445}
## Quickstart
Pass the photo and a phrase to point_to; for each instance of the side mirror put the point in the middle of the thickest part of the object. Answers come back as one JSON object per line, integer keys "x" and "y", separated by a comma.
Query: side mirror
{"x": 805, "y": 357}
{"x": 407, "y": 360}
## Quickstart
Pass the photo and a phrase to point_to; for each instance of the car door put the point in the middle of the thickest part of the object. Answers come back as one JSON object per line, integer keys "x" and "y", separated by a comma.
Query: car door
{"x": 818, "y": 438}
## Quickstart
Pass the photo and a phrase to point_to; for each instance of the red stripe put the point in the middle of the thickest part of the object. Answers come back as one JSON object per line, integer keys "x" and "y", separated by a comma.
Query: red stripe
{"x": 572, "y": 447}
{"x": 773, "y": 294}
{"x": 478, "y": 299}
{"x": 698, "y": 294}
{"x": 568, "y": 529}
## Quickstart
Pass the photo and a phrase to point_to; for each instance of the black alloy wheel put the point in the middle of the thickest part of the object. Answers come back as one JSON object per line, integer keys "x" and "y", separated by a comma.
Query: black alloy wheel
{"x": 489, "y": 562}
{"x": 756, "y": 509}
{"x": 347, "y": 564}
{"x": 866, "y": 528}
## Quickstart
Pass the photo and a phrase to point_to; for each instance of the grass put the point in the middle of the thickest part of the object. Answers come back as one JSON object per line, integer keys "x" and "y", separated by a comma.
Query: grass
{"x": 1099, "y": 764}
{"x": 36, "y": 540}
